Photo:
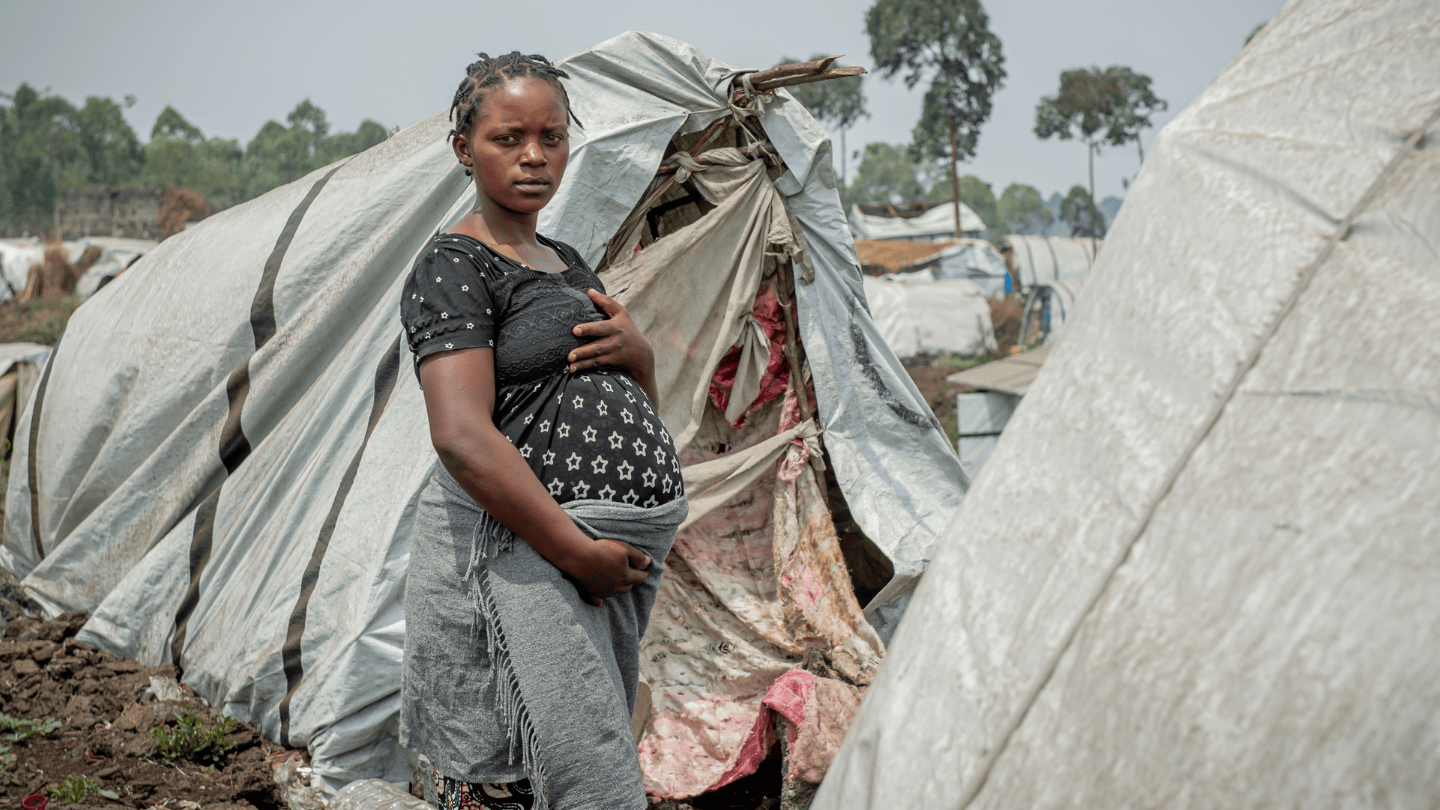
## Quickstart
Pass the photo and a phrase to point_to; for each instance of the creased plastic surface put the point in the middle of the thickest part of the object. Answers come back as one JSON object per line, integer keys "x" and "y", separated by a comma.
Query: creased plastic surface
{"x": 1199, "y": 569}
{"x": 230, "y": 438}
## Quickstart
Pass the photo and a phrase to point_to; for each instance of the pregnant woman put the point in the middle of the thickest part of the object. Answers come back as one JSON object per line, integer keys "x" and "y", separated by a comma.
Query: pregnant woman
{"x": 540, "y": 538}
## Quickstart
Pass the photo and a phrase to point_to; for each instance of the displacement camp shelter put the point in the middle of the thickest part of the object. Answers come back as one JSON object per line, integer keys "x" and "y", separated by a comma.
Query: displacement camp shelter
{"x": 222, "y": 465}
{"x": 922, "y": 222}
{"x": 1200, "y": 568}
{"x": 919, "y": 315}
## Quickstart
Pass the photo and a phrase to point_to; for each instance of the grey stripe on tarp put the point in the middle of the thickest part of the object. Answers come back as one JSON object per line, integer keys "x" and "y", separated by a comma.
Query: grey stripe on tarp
{"x": 290, "y": 653}
{"x": 32, "y": 473}
{"x": 234, "y": 446}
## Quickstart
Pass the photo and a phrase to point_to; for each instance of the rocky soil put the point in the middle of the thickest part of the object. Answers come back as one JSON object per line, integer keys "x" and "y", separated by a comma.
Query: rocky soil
{"x": 108, "y": 717}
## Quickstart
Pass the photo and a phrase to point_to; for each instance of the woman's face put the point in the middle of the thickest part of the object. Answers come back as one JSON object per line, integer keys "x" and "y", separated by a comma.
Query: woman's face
{"x": 518, "y": 145}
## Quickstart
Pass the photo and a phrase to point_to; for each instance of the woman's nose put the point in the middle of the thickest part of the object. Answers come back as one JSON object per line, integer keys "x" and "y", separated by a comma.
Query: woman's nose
{"x": 533, "y": 155}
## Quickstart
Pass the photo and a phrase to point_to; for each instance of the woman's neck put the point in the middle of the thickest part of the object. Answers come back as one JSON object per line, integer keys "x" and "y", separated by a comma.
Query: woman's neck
{"x": 499, "y": 226}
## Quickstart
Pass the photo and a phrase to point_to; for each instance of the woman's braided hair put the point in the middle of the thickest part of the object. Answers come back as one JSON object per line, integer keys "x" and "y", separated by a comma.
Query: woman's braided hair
{"x": 486, "y": 73}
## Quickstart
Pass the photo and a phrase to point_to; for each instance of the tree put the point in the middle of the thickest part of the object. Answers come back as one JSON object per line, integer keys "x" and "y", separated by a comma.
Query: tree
{"x": 1079, "y": 212}
{"x": 111, "y": 149}
{"x": 39, "y": 151}
{"x": 1135, "y": 103}
{"x": 171, "y": 124}
{"x": 838, "y": 103}
{"x": 279, "y": 154}
{"x": 950, "y": 41}
{"x": 1021, "y": 210}
{"x": 885, "y": 175}
{"x": 1100, "y": 107}
{"x": 974, "y": 193}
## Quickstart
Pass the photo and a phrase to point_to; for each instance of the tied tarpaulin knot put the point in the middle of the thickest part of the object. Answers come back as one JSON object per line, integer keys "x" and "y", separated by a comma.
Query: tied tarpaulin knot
{"x": 688, "y": 166}
{"x": 755, "y": 100}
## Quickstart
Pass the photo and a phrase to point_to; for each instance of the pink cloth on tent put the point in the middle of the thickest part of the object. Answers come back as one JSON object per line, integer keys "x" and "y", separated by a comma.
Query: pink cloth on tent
{"x": 816, "y": 711}
{"x": 777, "y": 372}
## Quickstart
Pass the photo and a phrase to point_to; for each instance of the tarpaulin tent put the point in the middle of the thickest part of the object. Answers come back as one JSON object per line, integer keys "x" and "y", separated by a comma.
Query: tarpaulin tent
{"x": 1040, "y": 259}
{"x": 918, "y": 314}
{"x": 1200, "y": 568}
{"x": 937, "y": 222}
{"x": 223, "y": 455}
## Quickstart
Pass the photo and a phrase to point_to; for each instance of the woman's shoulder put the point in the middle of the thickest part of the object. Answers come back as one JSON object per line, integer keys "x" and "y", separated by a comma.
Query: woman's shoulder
{"x": 454, "y": 248}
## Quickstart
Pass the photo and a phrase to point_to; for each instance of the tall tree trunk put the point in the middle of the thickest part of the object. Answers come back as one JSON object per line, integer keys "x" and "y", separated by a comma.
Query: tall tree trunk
{"x": 1090, "y": 150}
{"x": 844, "y": 158}
{"x": 1141, "y": 148}
{"x": 955, "y": 179}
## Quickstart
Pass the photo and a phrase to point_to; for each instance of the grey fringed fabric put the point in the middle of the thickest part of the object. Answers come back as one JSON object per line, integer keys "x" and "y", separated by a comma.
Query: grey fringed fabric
{"x": 508, "y": 673}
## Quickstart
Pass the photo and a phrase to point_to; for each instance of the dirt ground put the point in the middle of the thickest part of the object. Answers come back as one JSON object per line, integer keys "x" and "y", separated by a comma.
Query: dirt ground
{"x": 38, "y": 321}
{"x": 106, "y": 730}
{"x": 929, "y": 373}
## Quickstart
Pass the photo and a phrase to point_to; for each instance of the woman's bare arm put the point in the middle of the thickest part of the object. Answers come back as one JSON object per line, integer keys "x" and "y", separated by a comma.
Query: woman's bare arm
{"x": 459, "y": 391}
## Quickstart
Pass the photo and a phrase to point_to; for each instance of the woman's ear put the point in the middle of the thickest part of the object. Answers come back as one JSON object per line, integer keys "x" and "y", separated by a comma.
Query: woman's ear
{"x": 461, "y": 144}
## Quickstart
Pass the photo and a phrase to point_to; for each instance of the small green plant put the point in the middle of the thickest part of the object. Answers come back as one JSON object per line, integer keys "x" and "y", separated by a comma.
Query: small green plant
{"x": 193, "y": 739}
{"x": 73, "y": 789}
{"x": 7, "y": 765}
{"x": 22, "y": 729}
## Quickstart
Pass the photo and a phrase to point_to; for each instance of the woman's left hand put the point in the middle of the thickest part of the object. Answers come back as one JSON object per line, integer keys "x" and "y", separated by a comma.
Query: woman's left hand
{"x": 615, "y": 341}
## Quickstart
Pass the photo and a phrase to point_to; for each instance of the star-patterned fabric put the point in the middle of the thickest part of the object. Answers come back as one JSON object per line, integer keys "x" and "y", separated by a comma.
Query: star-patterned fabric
{"x": 592, "y": 435}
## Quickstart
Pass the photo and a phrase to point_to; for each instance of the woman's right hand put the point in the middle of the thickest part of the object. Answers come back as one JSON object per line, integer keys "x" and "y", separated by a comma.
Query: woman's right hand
{"x": 608, "y": 568}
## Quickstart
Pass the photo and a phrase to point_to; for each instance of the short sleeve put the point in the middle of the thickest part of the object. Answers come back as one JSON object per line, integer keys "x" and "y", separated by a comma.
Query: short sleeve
{"x": 446, "y": 303}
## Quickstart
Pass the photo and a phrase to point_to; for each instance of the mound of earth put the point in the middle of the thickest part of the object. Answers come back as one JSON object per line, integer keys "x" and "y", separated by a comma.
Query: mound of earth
{"x": 108, "y": 714}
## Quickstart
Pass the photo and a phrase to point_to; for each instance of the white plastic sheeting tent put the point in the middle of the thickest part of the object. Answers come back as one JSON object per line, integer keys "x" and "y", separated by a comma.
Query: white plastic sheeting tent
{"x": 917, "y": 315}
{"x": 973, "y": 259}
{"x": 1200, "y": 568}
{"x": 222, "y": 458}
{"x": 936, "y": 223}
{"x": 1041, "y": 259}
{"x": 17, "y": 256}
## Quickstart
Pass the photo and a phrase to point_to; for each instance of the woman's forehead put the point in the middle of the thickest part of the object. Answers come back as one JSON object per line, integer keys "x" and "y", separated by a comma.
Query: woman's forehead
{"x": 523, "y": 98}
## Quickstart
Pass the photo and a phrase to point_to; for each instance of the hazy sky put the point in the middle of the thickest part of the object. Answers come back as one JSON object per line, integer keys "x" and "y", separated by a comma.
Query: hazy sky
{"x": 230, "y": 67}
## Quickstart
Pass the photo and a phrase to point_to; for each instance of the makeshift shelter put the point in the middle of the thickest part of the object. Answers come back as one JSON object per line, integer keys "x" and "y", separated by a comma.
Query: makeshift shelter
{"x": 917, "y": 314}
{"x": 923, "y": 222}
{"x": 1200, "y": 568}
{"x": 982, "y": 413}
{"x": 18, "y": 256}
{"x": 1042, "y": 259}
{"x": 221, "y": 460}
{"x": 20, "y": 365}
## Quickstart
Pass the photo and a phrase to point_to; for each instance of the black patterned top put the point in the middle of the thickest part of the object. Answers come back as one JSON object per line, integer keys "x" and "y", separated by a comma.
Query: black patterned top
{"x": 590, "y": 435}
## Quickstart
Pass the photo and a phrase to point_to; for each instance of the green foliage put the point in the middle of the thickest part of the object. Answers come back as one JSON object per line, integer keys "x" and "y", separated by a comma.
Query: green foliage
{"x": 38, "y": 150}
{"x": 112, "y": 151}
{"x": 839, "y": 103}
{"x": 950, "y": 42}
{"x": 1078, "y": 211}
{"x": 1020, "y": 210}
{"x": 885, "y": 175}
{"x": 48, "y": 146}
{"x": 191, "y": 738}
{"x": 21, "y": 730}
{"x": 1107, "y": 107}
{"x": 974, "y": 193}
{"x": 74, "y": 788}
{"x": 7, "y": 766}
